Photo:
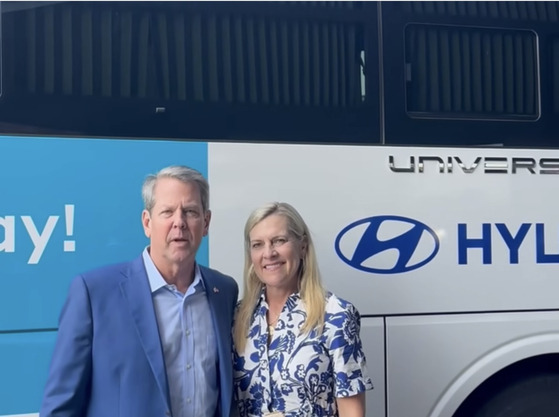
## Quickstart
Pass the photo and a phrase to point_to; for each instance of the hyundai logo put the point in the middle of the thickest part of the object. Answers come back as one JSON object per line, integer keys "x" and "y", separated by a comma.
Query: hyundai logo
{"x": 387, "y": 244}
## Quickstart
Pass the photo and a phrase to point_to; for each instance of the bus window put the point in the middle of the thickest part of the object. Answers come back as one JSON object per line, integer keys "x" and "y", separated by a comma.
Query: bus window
{"x": 471, "y": 73}
{"x": 261, "y": 71}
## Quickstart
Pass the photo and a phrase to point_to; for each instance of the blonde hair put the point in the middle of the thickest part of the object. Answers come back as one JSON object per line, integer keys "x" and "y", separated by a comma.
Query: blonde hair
{"x": 310, "y": 285}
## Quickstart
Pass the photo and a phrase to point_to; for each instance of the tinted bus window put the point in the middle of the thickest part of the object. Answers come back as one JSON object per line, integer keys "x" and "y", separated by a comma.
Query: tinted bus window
{"x": 186, "y": 69}
{"x": 471, "y": 72}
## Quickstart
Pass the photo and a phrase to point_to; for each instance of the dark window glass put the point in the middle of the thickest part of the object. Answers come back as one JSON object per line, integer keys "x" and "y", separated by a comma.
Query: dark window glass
{"x": 275, "y": 70}
{"x": 469, "y": 72}
{"x": 555, "y": 75}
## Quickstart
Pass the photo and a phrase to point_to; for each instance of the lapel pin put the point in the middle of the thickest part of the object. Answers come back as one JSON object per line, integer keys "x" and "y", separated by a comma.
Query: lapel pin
{"x": 216, "y": 290}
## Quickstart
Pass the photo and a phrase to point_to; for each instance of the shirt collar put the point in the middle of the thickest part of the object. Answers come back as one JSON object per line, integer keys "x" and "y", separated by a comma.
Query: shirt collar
{"x": 156, "y": 280}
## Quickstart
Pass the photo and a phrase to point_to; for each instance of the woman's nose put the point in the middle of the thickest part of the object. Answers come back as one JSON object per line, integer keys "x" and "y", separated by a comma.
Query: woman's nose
{"x": 270, "y": 250}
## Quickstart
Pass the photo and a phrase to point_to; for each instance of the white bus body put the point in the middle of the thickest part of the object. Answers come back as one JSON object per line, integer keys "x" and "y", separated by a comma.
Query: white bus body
{"x": 432, "y": 334}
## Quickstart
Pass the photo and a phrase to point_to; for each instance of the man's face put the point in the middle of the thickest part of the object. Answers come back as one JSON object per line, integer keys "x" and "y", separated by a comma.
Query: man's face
{"x": 176, "y": 224}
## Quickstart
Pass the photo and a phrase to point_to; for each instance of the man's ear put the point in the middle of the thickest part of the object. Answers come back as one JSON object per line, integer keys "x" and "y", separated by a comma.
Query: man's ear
{"x": 207, "y": 218}
{"x": 146, "y": 223}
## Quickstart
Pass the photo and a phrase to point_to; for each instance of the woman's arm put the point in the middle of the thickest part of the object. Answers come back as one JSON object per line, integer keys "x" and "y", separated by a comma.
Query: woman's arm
{"x": 353, "y": 406}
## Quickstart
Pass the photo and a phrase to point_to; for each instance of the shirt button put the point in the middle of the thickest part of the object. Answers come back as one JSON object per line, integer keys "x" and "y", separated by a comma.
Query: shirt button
{"x": 187, "y": 332}
{"x": 188, "y": 366}
{"x": 188, "y": 400}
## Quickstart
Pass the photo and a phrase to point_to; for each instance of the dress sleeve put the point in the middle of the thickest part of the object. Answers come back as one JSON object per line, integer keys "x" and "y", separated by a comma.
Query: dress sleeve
{"x": 345, "y": 349}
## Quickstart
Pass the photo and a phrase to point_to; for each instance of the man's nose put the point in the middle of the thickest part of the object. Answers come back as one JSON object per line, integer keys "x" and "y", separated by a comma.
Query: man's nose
{"x": 179, "y": 219}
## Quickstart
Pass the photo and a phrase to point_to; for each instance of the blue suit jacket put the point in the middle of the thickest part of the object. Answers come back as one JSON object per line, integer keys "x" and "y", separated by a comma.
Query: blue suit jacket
{"x": 108, "y": 360}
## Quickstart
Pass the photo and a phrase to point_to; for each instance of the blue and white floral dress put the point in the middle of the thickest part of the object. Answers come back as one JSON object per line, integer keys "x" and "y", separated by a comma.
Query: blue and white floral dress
{"x": 300, "y": 375}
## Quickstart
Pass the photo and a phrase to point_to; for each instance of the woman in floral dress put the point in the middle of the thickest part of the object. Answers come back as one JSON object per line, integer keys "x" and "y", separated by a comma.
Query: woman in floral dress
{"x": 297, "y": 347}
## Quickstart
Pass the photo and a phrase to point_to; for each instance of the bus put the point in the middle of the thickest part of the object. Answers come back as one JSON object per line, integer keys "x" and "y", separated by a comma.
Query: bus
{"x": 418, "y": 139}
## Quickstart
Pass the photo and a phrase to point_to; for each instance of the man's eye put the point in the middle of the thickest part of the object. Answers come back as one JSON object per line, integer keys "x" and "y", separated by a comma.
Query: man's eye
{"x": 191, "y": 213}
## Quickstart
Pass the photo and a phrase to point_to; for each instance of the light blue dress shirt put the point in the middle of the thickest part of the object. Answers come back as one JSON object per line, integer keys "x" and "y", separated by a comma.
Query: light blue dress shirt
{"x": 189, "y": 343}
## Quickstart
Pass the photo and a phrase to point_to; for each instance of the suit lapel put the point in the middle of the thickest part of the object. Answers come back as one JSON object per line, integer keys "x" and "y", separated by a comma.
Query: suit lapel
{"x": 217, "y": 303}
{"x": 222, "y": 327}
{"x": 137, "y": 292}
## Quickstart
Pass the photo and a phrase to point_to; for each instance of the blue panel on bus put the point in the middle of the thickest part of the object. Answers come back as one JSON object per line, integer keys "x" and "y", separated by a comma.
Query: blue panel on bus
{"x": 69, "y": 205}
{"x": 24, "y": 361}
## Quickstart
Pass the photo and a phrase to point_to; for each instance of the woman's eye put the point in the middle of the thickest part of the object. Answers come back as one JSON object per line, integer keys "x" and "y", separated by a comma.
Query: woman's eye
{"x": 278, "y": 241}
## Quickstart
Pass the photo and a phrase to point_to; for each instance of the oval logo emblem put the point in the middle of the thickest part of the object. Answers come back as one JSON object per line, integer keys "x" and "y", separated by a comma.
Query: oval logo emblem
{"x": 387, "y": 244}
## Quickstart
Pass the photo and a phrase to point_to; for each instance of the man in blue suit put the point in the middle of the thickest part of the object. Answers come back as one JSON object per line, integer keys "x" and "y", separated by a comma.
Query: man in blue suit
{"x": 151, "y": 337}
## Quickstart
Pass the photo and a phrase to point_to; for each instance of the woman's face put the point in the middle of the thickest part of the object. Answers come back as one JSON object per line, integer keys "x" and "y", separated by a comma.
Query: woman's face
{"x": 275, "y": 253}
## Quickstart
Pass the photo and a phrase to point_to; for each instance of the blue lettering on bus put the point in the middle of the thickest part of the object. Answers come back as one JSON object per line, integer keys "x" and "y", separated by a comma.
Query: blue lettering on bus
{"x": 513, "y": 242}
{"x": 465, "y": 243}
{"x": 541, "y": 256}
{"x": 367, "y": 245}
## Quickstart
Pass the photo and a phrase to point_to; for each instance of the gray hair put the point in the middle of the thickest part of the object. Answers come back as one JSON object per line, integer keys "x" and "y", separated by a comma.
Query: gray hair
{"x": 182, "y": 173}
